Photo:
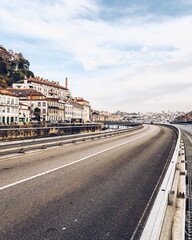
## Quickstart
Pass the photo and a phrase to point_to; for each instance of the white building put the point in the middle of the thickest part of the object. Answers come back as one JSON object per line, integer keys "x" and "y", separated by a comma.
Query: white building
{"x": 86, "y": 111}
{"x": 56, "y": 109}
{"x": 24, "y": 113}
{"x": 9, "y": 107}
{"x": 77, "y": 112}
{"x": 50, "y": 89}
{"x": 38, "y": 105}
{"x": 68, "y": 109}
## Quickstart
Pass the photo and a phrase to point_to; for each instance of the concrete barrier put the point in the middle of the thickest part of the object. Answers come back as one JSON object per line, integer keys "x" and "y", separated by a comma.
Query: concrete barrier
{"x": 185, "y": 127}
{"x": 13, "y": 133}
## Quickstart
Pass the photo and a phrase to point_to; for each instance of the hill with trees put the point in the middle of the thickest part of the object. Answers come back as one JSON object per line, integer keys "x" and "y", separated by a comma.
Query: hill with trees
{"x": 13, "y": 67}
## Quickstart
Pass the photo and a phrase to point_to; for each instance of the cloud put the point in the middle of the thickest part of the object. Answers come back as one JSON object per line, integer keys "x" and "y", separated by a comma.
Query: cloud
{"x": 114, "y": 59}
{"x": 95, "y": 43}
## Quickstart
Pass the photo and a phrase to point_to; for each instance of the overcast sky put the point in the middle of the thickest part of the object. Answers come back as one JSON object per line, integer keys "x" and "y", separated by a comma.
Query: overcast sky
{"x": 128, "y": 55}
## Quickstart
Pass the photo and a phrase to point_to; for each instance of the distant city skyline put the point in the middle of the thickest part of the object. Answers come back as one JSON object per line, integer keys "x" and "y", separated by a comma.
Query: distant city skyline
{"x": 127, "y": 55}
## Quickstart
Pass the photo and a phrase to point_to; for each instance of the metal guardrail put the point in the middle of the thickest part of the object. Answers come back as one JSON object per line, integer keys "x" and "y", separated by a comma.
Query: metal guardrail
{"x": 23, "y": 145}
{"x": 155, "y": 223}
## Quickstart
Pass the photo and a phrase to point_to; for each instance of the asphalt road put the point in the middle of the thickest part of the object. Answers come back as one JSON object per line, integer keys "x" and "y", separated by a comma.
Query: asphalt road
{"x": 85, "y": 191}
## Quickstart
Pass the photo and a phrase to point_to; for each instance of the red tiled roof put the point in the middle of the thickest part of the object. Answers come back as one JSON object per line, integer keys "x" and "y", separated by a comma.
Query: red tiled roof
{"x": 21, "y": 104}
{"x": 5, "y": 92}
{"x": 36, "y": 94}
{"x": 80, "y": 99}
{"x": 53, "y": 99}
{"x": 33, "y": 100}
{"x": 22, "y": 89}
{"x": 45, "y": 82}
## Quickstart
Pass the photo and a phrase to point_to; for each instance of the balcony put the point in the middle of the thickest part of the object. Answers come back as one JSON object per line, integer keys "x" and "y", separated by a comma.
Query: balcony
{"x": 53, "y": 107}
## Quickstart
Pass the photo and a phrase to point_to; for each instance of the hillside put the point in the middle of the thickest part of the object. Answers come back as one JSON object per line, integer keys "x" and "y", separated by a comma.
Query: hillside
{"x": 13, "y": 67}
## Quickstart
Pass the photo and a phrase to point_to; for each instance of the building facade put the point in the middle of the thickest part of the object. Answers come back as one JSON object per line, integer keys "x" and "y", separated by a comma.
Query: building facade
{"x": 68, "y": 110}
{"x": 24, "y": 113}
{"x": 49, "y": 89}
{"x": 86, "y": 109}
{"x": 9, "y": 107}
{"x": 77, "y": 112}
{"x": 56, "y": 108}
{"x": 37, "y": 104}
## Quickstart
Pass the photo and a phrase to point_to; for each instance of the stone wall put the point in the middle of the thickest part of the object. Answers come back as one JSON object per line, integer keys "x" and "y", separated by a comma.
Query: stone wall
{"x": 44, "y": 130}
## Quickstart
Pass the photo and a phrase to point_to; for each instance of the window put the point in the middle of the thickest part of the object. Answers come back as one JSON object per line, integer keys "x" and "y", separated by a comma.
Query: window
{"x": 39, "y": 104}
{"x": 8, "y": 100}
{"x": 44, "y": 104}
{"x": 12, "y": 101}
{"x": 44, "y": 110}
{"x": 8, "y": 110}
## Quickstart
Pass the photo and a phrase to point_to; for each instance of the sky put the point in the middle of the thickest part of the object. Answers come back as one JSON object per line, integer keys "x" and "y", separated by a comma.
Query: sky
{"x": 127, "y": 55}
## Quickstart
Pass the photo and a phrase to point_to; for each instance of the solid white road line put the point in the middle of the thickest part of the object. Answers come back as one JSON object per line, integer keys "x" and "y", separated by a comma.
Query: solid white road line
{"x": 71, "y": 163}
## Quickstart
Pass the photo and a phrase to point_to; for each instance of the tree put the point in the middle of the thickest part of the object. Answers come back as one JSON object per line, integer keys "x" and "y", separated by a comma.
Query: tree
{"x": 13, "y": 67}
{"x": 3, "y": 82}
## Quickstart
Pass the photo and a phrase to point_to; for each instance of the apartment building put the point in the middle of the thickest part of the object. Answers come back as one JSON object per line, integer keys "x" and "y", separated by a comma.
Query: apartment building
{"x": 68, "y": 109}
{"x": 24, "y": 113}
{"x": 9, "y": 107}
{"x": 50, "y": 89}
{"x": 77, "y": 111}
{"x": 56, "y": 108}
{"x": 37, "y": 104}
{"x": 86, "y": 109}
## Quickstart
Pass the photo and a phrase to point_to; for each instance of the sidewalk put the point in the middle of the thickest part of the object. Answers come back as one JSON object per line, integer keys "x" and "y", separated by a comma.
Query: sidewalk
{"x": 188, "y": 153}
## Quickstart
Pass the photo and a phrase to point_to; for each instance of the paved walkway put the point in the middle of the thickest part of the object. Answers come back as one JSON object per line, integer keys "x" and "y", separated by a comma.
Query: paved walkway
{"x": 188, "y": 153}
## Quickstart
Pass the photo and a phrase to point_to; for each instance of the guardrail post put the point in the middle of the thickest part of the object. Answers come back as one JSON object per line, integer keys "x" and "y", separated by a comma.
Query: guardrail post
{"x": 21, "y": 150}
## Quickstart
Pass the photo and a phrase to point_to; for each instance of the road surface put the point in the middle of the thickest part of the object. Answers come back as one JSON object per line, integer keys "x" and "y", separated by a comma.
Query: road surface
{"x": 85, "y": 191}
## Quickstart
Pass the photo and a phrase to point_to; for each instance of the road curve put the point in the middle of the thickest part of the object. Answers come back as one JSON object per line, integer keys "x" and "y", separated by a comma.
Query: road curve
{"x": 90, "y": 190}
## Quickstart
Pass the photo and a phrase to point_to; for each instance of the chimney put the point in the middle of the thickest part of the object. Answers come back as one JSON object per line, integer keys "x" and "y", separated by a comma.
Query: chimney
{"x": 66, "y": 83}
